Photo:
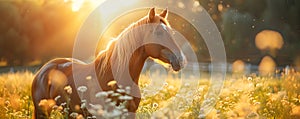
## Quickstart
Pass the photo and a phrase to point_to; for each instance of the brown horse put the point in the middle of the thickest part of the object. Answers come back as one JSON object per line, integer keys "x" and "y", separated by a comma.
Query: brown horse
{"x": 51, "y": 80}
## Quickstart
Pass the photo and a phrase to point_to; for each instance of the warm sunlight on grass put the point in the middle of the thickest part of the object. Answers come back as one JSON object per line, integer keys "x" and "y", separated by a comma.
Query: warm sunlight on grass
{"x": 15, "y": 95}
{"x": 249, "y": 96}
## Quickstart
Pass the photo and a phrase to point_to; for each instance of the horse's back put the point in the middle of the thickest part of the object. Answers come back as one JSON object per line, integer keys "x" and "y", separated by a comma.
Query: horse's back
{"x": 51, "y": 73}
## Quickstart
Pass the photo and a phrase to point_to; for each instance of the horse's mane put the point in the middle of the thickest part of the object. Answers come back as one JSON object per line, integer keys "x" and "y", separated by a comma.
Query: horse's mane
{"x": 117, "y": 48}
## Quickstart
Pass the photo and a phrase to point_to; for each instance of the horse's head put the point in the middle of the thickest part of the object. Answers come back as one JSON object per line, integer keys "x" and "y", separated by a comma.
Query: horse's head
{"x": 164, "y": 48}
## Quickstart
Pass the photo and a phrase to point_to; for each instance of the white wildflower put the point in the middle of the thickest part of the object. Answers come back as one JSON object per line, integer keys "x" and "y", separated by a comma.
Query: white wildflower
{"x": 126, "y": 97}
{"x": 127, "y": 89}
{"x": 68, "y": 89}
{"x": 201, "y": 116}
{"x": 82, "y": 89}
{"x": 101, "y": 94}
{"x": 154, "y": 105}
{"x": 91, "y": 117}
{"x": 120, "y": 86}
{"x": 63, "y": 104}
{"x": 116, "y": 113}
{"x": 83, "y": 101}
{"x": 249, "y": 79}
{"x": 66, "y": 110}
{"x": 74, "y": 115}
{"x": 97, "y": 106}
{"x": 108, "y": 100}
{"x": 112, "y": 103}
{"x": 121, "y": 90}
{"x": 125, "y": 110}
{"x": 57, "y": 97}
{"x": 110, "y": 92}
{"x": 83, "y": 106}
{"x": 116, "y": 94}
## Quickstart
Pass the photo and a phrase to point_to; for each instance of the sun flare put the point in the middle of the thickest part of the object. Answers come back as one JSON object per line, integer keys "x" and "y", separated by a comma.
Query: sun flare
{"x": 78, "y": 4}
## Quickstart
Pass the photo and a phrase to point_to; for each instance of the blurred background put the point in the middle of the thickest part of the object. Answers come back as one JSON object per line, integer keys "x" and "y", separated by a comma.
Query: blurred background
{"x": 261, "y": 33}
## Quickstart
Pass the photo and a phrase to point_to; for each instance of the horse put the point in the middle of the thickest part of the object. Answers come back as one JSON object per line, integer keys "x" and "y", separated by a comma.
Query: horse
{"x": 52, "y": 78}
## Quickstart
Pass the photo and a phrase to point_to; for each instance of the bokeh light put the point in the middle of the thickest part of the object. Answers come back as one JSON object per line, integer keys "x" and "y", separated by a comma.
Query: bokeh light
{"x": 267, "y": 66}
{"x": 269, "y": 40}
{"x": 238, "y": 66}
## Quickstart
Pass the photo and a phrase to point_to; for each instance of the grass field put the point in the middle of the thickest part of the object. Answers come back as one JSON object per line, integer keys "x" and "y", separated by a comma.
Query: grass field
{"x": 250, "y": 97}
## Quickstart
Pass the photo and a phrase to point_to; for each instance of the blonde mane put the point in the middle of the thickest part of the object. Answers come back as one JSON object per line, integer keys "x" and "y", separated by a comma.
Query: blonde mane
{"x": 118, "y": 47}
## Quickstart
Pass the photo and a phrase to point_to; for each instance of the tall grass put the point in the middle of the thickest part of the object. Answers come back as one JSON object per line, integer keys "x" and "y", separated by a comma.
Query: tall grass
{"x": 15, "y": 95}
{"x": 247, "y": 96}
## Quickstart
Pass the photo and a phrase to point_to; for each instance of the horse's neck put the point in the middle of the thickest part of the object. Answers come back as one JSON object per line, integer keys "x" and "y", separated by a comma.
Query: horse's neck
{"x": 136, "y": 63}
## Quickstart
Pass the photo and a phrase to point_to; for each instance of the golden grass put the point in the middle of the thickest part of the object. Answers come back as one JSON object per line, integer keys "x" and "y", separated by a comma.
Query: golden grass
{"x": 15, "y": 99}
{"x": 243, "y": 97}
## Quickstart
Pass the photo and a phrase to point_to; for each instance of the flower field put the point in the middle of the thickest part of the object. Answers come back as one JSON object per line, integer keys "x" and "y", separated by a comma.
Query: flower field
{"x": 242, "y": 96}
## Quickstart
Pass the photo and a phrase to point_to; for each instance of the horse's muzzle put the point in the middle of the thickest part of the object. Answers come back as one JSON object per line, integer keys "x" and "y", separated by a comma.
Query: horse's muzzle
{"x": 178, "y": 62}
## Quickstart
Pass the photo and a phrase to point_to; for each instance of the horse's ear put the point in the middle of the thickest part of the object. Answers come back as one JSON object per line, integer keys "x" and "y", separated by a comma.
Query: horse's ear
{"x": 164, "y": 13}
{"x": 151, "y": 14}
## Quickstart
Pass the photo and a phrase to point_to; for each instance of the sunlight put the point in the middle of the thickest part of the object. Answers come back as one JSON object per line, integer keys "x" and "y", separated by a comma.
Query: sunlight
{"x": 110, "y": 10}
{"x": 77, "y": 4}
{"x": 95, "y": 3}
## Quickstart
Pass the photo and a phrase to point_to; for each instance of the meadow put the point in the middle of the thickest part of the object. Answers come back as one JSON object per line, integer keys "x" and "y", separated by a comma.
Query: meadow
{"x": 243, "y": 96}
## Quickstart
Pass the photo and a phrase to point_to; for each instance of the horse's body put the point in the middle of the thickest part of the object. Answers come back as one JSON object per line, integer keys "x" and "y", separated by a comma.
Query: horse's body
{"x": 54, "y": 76}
